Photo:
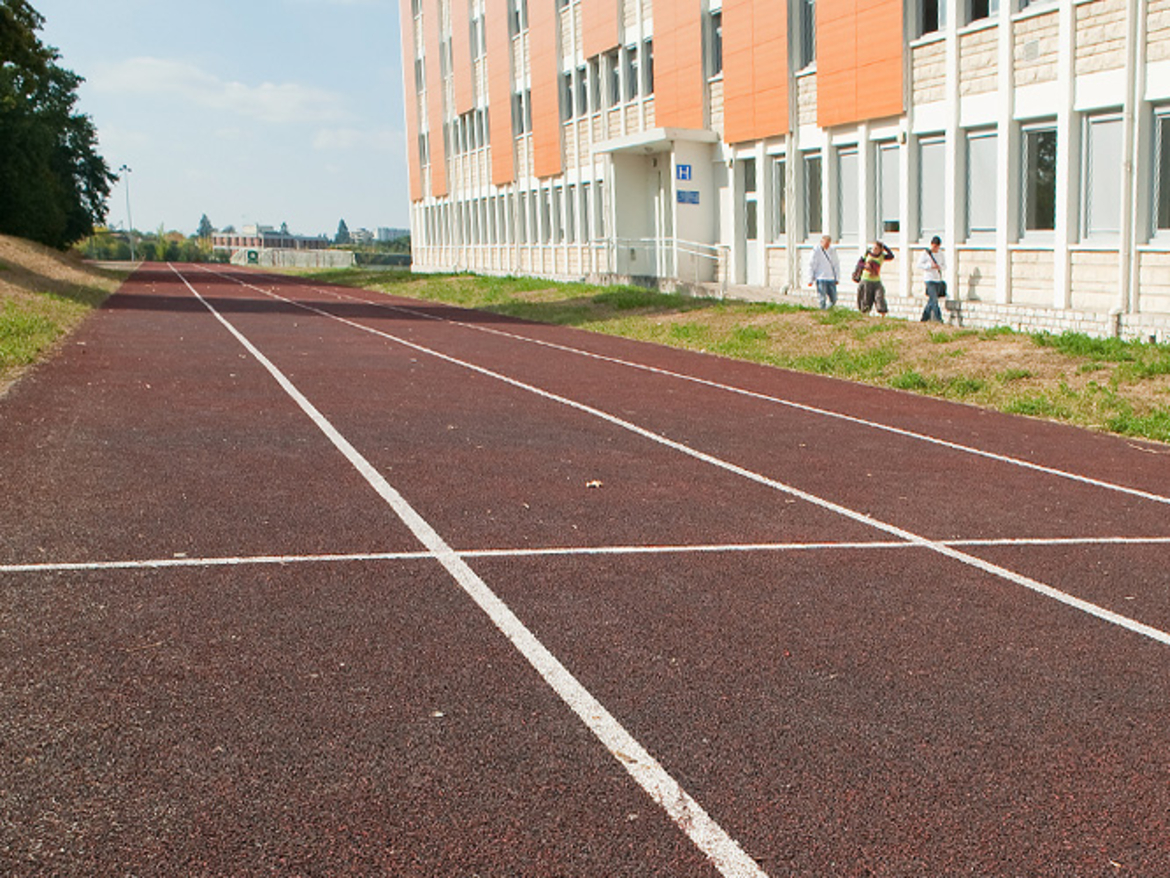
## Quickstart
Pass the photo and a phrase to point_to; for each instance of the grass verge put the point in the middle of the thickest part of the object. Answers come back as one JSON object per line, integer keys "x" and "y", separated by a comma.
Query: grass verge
{"x": 44, "y": 295}
{"x": 1104, "y": 384}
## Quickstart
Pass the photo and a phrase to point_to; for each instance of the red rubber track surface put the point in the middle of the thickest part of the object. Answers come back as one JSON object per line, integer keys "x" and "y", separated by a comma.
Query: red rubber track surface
{"x": 838, "y": 710}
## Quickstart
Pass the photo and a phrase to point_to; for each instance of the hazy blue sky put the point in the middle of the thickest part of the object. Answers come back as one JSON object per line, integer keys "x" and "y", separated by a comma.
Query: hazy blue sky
{"x": 263, "y": 111}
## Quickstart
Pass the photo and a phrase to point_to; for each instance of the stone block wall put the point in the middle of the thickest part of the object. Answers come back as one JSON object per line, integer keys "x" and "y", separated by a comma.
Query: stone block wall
{"x": 979, "y": 61}
{"x": 1037, "y": 44}
{"x": 1100, "y": 36}
{"x": 929, "y": 72}
{"x": 1032, "y": 277}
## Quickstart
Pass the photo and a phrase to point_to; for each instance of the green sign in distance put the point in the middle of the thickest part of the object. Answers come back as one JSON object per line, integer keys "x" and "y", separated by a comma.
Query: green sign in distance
{"x": 253, "y": 257}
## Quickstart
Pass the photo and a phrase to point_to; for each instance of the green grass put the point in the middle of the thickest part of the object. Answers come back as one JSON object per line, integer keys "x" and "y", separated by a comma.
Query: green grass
{"x": 23, "y": 335}
{"x": 1013, "y": 375}
{"x": 882, "y": 352}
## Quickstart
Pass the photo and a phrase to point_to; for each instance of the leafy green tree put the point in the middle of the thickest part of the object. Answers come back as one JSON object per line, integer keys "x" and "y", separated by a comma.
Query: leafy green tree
{"x": 206, "y": 229}
{"x": 54, "y": 182}
{"x": 342, "y": 233}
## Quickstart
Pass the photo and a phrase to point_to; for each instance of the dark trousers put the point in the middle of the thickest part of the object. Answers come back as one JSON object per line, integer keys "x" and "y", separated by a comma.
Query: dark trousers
{"x": 932, "y": 311}
{"x": 870, "y": 293}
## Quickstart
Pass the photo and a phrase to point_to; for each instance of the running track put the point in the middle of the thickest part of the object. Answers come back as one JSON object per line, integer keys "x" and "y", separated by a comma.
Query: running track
{"x": 310, "y": 581}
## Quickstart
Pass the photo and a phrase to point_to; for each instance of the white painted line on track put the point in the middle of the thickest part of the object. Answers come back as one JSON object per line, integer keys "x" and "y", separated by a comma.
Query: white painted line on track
{"x": 562, "y": 551}
{"x": 729, "y": 388}
{"x": 995, "y": 570}
{"x": 720, "y": 848}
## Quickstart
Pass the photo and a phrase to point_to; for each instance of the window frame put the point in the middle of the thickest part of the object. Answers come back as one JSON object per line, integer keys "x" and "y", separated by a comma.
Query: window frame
{"x": 813, "y": 207}
{"x": 924, "y": 232}
{"x": 1160, "y": 172}
{"x": 713, "y": 44}
{"x": 778, "y": 167}
{"x": 1038, "y": 234}
{"x": 979, "y": 234}
{"x": 1088, "y": 233}
{"x": 881, "y": 149}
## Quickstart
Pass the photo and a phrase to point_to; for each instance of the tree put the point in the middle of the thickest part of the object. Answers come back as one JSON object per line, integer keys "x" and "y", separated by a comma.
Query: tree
{"x": 342, "y": 233}
{"x": 55, "y": 184}
{"x": 206, "y": 230}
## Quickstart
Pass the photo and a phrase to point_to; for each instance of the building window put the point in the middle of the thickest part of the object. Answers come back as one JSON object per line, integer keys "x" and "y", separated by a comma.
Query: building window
{"x": 582, "y": 105}
{"x": 557, "y": 228}
{"x": 571, "y": 213}
{"x": 521, "y": 112}
{"x": 980, "y": 9}
{"x": 522, "y": 218}
{"x": 1038, "y": 175}
{"x": 779, "y": 199}
{"x": 595, "y": 84}
{"x": 931, "y": 188}
{"x": 751, "y": 202}
{"x": 478, "y": 45}
{"x": 585, "y": 187}
{"x": 1161, "y": 211}
{"x": 813, "y": 219}
{"x": 889, "y": 186}
{"x": 632, "y": 73}
{"x": 566, "y": 97}
{"x": 931, "y": 15}
{"x": 982, "y": 183}
{"x": 517, "y": 16}
{"x": 648, "y": 68}
{"x": 807, "y": 11}
{"x": 715, "y": 44}
{"x": 545, "y": 217}
{"x": 848, "y": 182}
{"x": 1103, "y": 160}
{"x": 613, "y": 72}
{"x": 601, "y": 215}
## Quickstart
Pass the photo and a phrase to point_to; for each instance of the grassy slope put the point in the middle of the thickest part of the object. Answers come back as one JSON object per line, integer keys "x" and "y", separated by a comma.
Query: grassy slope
{"x": 1105, "y": 384}
{"x": 44, "y": 295}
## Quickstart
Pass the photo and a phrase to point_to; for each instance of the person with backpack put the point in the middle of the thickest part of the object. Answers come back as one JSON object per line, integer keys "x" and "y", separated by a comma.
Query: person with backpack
{"x": 824, "y": 267}
{"x": 868, "y": 274}
{"x": 933, "y": 265}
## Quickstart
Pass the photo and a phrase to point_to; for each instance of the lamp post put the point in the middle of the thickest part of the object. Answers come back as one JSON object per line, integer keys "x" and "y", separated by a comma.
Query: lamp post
{"x": 129, "y": 220}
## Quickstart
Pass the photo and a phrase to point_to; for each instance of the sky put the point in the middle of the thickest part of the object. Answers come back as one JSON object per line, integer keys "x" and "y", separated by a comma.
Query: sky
{"x": 248, "y": 111}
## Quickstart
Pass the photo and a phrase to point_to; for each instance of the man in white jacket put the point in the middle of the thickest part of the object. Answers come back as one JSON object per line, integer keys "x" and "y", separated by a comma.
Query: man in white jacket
{"x": 933, "y": 266}
{"x": 824, "y": 270}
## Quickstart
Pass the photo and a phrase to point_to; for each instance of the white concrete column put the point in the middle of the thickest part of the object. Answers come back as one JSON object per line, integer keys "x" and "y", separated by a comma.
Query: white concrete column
{"x": 955, "y": 182}
{"x": 1007, "y": 219}
{"x": 1067, "y": 160}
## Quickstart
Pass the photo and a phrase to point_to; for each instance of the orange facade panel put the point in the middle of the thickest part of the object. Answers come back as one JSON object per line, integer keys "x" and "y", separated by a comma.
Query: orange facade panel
{"x": 859, "y": 61}
{"x": 678, "y": 63}
{"x": 461, "y": 68}
{"x": 755, "y": 69}
{"x": 410, "y": 100}
{"x": 499, "y": 77}
{"x": 599, "y": 26}
{"x": 546, "y": 114}
{"x": 438, "y": 149}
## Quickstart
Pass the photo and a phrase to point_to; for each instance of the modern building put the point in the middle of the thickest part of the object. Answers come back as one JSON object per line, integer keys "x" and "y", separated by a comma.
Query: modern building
{"x": 713, "y": 141}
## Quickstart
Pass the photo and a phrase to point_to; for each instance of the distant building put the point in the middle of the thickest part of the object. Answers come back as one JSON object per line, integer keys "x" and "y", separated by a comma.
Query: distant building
{"x": 385, "y": 234}
{"x": 361, "y": 236}
{"x": 257, "y": 237}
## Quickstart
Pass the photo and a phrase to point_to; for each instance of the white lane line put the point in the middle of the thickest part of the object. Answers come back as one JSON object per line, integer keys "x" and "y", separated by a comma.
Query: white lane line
{"x": 844, "y": 511}
{"x": 910, "y": 434}
{"x": 563, "y": 551}
{"x": 719, "y": 847}
{"x": 178, "y": 563}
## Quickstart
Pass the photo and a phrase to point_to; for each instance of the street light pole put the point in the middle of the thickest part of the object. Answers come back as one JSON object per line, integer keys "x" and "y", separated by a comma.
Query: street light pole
{"x": 129, "y": 220}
